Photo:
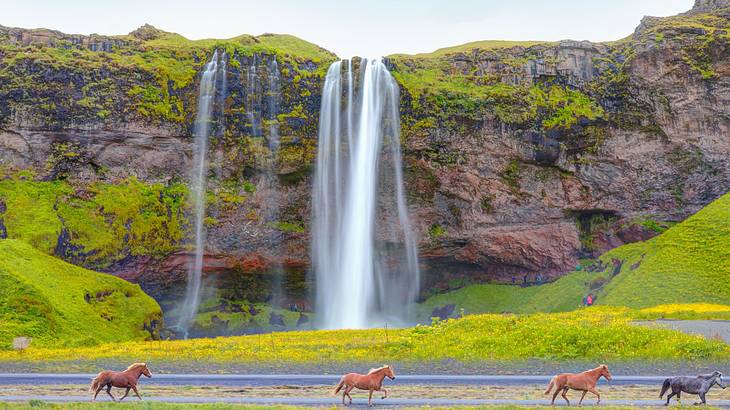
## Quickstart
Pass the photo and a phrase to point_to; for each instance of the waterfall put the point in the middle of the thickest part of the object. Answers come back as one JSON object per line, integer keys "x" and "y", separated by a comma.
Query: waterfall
{"x": 252, "y": 99}
{"x": 270, "y": 180}
{"x": 273, "y": 96}
{"x": 364, "y": 253}
{"x": 206, "y": 102}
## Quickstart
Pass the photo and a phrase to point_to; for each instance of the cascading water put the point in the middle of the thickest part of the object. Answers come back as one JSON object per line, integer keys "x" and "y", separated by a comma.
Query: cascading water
{"x": 269, "y": 182}
{"x": 253, "y": 97}
{"x": 363, "y": 250}
{"x": 273, "y": 95}
{"x": 206, "y": 101}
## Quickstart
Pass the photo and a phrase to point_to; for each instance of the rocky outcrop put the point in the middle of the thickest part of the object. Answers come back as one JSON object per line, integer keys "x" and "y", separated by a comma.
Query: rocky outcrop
{"x": 518, "y": 160}
{"x": 705, "y": 6}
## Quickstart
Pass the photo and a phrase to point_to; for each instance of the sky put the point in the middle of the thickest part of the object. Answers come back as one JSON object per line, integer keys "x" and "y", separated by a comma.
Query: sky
{"x": 348, "y": 27}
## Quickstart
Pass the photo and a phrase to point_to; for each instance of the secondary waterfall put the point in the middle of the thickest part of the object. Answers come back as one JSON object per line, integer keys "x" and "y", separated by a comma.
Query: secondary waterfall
{"x": 198, "y": 185}
{"x": 363, "y": 250}
{"x": 272, "y": 97}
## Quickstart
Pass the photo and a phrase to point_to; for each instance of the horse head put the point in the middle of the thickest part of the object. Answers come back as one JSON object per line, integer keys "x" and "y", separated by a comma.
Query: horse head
{"x": 146, "y": 371}
{"x": 718, "y": 380}
{"x": 141, "y": 368}
{"x": 389, "y": 372}
{"x": 604, "y": 372}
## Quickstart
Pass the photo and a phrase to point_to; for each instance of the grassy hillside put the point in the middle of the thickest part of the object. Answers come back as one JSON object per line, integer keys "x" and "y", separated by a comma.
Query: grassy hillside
{"x": 562, "y": 295}
{"x": 60, "y": 304}
{"x": 599, "y": 333}
{"x": 475, "y": 45}
{"x": 689, "y": 263}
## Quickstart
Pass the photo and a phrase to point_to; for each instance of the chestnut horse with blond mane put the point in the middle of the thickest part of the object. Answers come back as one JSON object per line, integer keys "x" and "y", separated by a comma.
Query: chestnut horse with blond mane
{"x": 373, "y": 381}
{"x": 585, "y": 382}
{"x": 127, "y": 378}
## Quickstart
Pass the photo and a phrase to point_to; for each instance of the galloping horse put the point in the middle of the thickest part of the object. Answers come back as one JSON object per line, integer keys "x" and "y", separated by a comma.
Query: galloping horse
{"x": 373, "y": 381}
{"x": 699, "y": 385}
{"x": 127, "y": 378}
{"x": 585, "y": 382}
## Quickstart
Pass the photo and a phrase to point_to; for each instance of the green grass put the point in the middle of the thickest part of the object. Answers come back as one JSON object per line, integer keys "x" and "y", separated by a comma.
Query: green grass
{"x": 476, "y": 45}
{"x": 60, "y": 304}
{"x": 596, "y": 334}
{"x": 688, "y": 263}
{"x": 686, "y": 311}
{"x": 563, "y": 295}
{"x": 285, "y": 44}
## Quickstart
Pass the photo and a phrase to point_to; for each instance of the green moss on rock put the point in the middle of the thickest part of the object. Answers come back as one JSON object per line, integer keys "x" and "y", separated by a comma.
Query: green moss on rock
{"x": 104, "y": 222}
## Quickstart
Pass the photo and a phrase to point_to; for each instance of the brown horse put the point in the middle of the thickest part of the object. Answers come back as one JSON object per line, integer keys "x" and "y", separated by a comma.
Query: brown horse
{"x": 127, "y": 378}
{"x": 373, "y": 381}
{"x": 585, "y": 382}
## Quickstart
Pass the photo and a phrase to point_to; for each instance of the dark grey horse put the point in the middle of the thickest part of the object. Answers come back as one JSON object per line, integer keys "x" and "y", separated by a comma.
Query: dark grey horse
{"x": 699, "y": 385}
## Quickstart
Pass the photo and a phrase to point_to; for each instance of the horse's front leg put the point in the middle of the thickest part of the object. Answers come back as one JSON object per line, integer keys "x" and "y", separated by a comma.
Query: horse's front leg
{"x": 109, "y": 392}
{"x": 125, "y": 394}
{"x": 702, "y": 399}
{"x": 669, "y": 396}
{"x": 594, "y": 391}
{"x": 97, "y": 392}
{"x": 555, "y": 395}
{"x": 136, "y": 392}
{"x": 385, "y": 394}
{"x": 370, "y": 398}
{"x": 582, "y": 396}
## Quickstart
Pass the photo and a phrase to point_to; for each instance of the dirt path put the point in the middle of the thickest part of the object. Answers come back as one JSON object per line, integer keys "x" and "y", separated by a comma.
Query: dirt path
{"x": 711, "y": 329}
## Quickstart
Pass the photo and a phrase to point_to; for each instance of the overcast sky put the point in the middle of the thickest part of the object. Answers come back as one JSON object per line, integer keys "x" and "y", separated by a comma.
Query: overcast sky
{"x": 349, "y": 27}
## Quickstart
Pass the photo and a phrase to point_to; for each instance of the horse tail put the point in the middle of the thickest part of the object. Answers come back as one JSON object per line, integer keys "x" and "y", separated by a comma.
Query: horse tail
{"x": 665, "y": 387}
{"x": 96, "y": 382}
{"x": 551, "y": 384}
{"x": 339, "y": 386}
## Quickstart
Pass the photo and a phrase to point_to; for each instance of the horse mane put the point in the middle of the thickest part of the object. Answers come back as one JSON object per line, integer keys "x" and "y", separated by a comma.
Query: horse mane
{"x": 135, "y": 366}
{"x": 378, "y": 369}
{"x": 709, "y": 375}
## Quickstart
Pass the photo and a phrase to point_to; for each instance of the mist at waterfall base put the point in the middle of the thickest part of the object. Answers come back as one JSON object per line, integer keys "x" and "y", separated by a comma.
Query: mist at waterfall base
{"x": 213, "y": 73}
{"x": 364, "y": 253}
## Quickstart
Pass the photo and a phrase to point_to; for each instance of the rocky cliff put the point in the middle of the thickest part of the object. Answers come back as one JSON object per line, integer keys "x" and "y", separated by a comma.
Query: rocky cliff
{"x": 520, "y": 158}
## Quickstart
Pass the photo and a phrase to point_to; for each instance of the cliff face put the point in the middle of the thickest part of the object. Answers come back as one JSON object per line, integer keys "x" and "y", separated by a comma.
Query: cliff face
{"x": 520, "y": 158}
{"x": 538, "y": 154}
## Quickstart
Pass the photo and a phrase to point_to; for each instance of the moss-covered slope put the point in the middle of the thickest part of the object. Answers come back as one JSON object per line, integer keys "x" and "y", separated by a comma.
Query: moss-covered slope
{"x": 60, "y": 304}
